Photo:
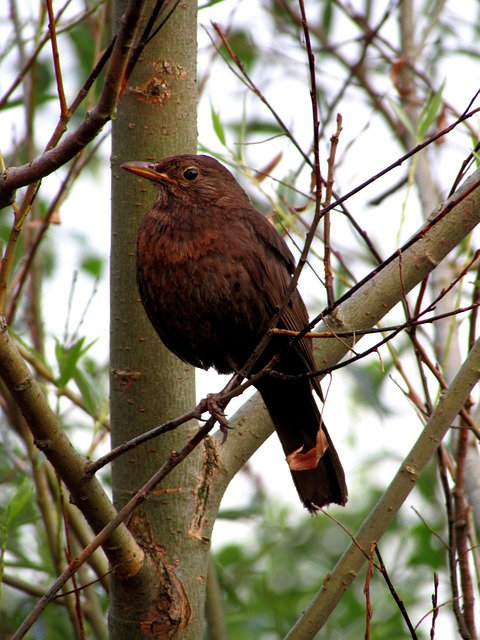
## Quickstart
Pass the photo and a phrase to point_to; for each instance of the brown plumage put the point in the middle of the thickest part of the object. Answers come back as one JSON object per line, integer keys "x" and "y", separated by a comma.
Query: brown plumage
{"x": 211, "y": 272}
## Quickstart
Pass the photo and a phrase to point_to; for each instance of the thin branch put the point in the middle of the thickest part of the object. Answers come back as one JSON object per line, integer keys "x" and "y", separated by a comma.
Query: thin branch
{"x": 92, "y": 467}
{"x": 452, "y": 542}
{"x": 435, "y": 605}
{"x": 326, "y": 219}
{"x": 52, "y": 27}
{"x": 414, "y": 321}
{"x": 366, "y": 591}
{"x": 399, "y": 602}
{"x": 460, "y": 504}
{"x": 74, "y": 169}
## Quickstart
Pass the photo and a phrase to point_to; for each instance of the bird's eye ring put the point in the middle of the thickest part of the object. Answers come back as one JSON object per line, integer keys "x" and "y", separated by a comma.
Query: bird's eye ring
{"x": 190, "y": 174}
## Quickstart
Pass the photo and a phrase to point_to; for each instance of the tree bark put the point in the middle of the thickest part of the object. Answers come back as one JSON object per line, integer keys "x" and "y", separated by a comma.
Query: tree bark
{"x": 156, "y": 117}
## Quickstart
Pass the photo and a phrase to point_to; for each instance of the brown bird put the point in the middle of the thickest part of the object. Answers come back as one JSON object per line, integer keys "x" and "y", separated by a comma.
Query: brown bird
{"x": 212, "y": 271}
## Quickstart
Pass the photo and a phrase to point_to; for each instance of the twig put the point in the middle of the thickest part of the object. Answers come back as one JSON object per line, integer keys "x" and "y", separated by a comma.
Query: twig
{"x": 77, "y": 617}
{"x": 366, "y": 590}
{"x": 170, "y": 425}
{"x": 52, "y": 27}
{"x": 53, "y": 158}
{"x": 425, "y": 523}
{"x": 28, "y": 587}
{"x": 74, "y": 170}
{"x": 396, "y": 597}
{"x": 435, "y": 605}
{"x": 452, "y": 543}
{"x": 414, "y": 321}
{"x": 461, "y": 540}
{"x": 326, "y": 219}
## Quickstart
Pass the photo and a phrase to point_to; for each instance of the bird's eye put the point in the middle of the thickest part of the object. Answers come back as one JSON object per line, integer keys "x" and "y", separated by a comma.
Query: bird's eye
{"x": 190, "y": 174}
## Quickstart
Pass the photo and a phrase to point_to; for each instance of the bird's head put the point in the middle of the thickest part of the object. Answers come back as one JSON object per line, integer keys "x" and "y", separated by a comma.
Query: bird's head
{"x": 195, "y": 179}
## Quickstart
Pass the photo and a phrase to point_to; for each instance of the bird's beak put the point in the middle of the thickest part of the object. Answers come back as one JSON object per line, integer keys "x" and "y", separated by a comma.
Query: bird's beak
{"x": 146, "y": 170}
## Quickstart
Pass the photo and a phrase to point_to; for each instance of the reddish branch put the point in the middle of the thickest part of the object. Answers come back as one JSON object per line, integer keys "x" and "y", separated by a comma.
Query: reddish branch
{"x": 366, "y": 590}
{"x": 396, "y": 597}
{"x": 434, "y": 605}
{"x": 52, "y": 27}
{"x": 452, "y": 543}
{"x": 461, "y": 532}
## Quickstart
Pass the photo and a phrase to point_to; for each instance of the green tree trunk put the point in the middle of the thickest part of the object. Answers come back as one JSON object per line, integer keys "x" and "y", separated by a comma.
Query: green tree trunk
{"x": 156, "y": 118}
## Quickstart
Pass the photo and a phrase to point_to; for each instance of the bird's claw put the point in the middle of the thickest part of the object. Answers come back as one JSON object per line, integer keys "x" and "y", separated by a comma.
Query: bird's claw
{"x": 214, "y": 407}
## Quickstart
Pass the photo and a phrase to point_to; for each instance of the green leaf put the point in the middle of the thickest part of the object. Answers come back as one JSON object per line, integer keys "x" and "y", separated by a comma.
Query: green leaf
{"x": 327, "y": 17}
{"x": 11, "y": 515}
{"x": 81, "y": 40}
{"x": 218, "y": 126}
{"x": 476, "y": 155}
{"x": 88, "y": 388}
{"x": 93, "y": 265}
{"x": 428, "y": 113}
{"x": 244, "y": 46}
{"x": 18, "y": 501}
{"x": 208, "y": 5}
{"x": 262, "y": 127}
{"x": 402, "y": 116}
{"x": 68, "y": 357}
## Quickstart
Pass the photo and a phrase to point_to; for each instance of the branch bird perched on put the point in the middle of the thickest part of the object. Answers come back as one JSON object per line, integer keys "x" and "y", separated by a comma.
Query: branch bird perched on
{"x": 211, "y": 272}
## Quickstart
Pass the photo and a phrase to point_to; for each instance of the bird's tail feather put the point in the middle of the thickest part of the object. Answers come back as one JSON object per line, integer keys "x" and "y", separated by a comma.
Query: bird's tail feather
{"x": 296, "y": 417}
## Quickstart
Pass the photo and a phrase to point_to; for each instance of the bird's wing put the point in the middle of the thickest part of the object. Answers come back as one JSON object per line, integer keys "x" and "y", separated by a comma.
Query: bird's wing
{"x": 278, "y": 266}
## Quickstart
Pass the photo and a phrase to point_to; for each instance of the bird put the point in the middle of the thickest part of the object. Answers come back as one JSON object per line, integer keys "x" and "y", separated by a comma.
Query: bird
{"x": 211, "y": 273}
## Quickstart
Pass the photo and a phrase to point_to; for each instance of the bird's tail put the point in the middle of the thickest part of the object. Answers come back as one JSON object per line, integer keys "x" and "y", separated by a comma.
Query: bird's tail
{"x": 296, "y": 417}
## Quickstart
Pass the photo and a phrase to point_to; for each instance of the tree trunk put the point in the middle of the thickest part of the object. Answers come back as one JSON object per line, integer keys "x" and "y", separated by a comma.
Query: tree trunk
{"x": 156, "y": 117}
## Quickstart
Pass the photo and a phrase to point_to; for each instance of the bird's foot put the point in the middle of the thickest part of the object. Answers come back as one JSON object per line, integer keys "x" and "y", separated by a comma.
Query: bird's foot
{"x": 213, "y": 405}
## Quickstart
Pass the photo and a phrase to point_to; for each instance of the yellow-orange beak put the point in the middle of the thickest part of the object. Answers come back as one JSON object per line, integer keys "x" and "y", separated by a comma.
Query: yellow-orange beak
{"x": 146, "y": 170}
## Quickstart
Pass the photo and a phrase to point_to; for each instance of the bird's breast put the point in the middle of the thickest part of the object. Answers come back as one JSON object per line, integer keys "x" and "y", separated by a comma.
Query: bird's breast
{"x": 200, "y": 291}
